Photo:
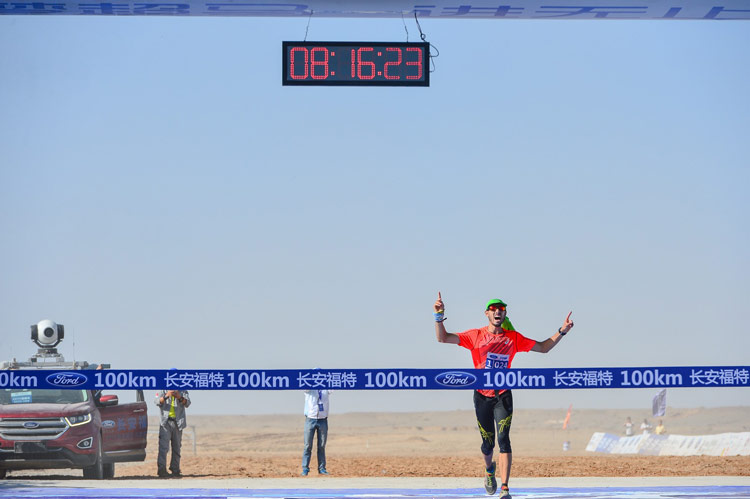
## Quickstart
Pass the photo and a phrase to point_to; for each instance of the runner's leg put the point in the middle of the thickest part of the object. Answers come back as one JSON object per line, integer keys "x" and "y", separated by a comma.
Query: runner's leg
{"x": 483, "y": 406}
{"x": 503, "y": 414}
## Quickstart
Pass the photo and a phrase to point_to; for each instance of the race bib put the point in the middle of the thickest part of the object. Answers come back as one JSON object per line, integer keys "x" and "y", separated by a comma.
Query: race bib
{"x": 496, "y": 361}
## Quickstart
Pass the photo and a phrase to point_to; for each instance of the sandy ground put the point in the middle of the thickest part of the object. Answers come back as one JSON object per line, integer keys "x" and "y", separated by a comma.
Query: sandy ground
{"x": 441, "y": 444}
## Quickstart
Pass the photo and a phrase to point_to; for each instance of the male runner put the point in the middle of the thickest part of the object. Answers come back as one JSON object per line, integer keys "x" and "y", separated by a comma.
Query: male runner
{"x": 493, "y": 347}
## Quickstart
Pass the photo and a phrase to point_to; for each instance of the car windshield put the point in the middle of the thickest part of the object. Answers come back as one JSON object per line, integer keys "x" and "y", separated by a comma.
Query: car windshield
{"x": 21, "y": 396}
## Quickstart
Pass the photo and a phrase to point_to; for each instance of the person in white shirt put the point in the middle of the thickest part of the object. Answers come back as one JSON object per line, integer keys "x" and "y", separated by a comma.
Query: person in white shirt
{"x": 316, "y": 419}
{"x": 628, "y": 427}
{"x": 646, "y": 427}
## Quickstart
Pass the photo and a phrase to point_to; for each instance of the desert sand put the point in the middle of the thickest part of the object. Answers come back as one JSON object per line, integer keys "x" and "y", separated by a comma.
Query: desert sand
{"x": 441, "y": 444}
{"x": 435, "y": 444}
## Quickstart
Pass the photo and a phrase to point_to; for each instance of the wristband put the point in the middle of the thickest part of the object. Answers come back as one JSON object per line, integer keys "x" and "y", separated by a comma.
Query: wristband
{"x": 559, "y": 331}
{"x": 439, "y": 316}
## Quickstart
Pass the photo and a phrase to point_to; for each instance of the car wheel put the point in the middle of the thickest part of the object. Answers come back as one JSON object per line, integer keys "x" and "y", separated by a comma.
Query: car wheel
{"x": 109, "y": 470}
{"x": 95, "y": 471}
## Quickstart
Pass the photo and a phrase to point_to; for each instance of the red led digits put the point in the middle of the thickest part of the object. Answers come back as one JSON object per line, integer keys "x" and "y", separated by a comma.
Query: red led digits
{"x": 318, "y": 63}
{"x": 417, "y": 63}
{"x": 316, "y": 67}
{"x": 361, "y": 63}
{"x": 397, "y": 62}
{"x": 355, "y": 63}
{"x": 295, "y": 61}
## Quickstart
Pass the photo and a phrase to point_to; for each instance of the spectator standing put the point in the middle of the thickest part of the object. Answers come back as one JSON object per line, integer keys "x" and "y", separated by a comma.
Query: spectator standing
{"x": 317, "y": 404}
{"x": 172, "y": 405}
{"x": 660, "y": 430}
{"x": 628, "y": 427}
{"x": 646, "y": 427}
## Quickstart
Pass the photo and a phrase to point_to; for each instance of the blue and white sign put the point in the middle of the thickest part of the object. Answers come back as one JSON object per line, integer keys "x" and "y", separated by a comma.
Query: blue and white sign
{"x": 454, "y": 379}
{"x": 384, "y": 379}
{"x": 66, "y": 379}
{"x": 20, "y": 397}
{"x": 440, "y": 9}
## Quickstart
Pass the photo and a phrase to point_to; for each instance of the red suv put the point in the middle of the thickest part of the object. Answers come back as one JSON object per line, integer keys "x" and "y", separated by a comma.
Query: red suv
{"x": 43, "y": 429}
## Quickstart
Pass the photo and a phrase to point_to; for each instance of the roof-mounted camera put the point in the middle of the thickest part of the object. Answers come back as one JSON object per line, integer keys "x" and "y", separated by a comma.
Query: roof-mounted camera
{"x": 47, "y": 335}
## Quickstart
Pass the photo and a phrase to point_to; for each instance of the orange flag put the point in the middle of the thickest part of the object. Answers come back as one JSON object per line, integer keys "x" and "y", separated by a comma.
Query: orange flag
{"x": 567, "y": 417}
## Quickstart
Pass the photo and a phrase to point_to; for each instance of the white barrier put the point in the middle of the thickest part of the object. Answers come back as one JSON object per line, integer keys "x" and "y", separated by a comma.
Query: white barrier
{"x": 722, "y": 444}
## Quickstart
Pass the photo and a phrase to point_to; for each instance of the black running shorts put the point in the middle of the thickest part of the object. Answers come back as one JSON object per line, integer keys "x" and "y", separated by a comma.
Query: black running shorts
{"x": 494, "y": 415}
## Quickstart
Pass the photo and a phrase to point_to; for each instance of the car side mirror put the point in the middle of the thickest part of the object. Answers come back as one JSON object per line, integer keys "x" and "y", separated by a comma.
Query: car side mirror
{"x": 108, "y": 400}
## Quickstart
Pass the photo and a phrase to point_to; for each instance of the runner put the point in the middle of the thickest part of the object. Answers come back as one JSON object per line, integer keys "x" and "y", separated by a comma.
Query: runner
{"x": 493, "y": 347}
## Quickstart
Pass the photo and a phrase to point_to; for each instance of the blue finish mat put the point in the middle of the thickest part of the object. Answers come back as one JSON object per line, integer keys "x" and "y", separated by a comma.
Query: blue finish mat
{"x": 7, "y": 490}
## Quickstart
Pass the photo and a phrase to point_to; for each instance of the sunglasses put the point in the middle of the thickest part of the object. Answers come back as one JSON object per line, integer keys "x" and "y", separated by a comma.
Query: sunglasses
{"x": 496, "y": 307}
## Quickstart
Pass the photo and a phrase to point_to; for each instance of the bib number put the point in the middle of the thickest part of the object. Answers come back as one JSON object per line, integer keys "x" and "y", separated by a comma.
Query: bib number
{"x": 496, "y": 361}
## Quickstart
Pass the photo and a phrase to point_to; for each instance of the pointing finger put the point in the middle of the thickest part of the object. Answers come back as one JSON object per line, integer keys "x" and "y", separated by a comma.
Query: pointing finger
{"x": 568, "y": 317}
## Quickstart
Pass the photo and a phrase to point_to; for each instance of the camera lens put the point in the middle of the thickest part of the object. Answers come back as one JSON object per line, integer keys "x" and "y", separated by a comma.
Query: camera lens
{"x": 49, "y": 332}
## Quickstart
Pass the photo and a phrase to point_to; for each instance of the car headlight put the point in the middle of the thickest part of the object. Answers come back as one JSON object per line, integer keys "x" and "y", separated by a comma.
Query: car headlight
{"x": 78, "y": 420}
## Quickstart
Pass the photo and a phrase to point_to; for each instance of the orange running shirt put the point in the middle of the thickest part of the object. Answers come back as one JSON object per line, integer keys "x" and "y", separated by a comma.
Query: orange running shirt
{"x": 494, "y": 351}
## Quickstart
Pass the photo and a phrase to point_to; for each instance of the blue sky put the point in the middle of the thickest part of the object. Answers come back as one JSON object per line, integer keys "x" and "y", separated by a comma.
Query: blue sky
{"x": 164, "y": 197}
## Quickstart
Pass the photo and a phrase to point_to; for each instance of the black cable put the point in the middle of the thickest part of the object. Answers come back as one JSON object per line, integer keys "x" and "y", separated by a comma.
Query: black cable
{"x": 424, "y": 39}
{"x": 419, "y": 27}
{"x": 308, "y": 25}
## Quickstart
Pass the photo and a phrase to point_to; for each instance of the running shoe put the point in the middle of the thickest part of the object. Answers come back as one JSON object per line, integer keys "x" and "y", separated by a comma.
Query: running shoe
{"x": 504, "y": 492}
{"x": 490, "y": 483}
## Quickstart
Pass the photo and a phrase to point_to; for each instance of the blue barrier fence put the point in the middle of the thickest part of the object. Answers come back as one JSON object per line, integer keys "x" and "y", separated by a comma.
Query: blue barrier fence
{"x": 380, "y": 379}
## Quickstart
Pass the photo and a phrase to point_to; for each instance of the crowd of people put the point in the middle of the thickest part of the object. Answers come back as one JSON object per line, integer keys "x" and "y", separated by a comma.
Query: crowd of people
{"x": 646, "y": 427}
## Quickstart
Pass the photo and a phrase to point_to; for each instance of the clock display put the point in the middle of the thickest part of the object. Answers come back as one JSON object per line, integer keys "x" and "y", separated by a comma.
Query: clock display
{"x": 356, "y": 63}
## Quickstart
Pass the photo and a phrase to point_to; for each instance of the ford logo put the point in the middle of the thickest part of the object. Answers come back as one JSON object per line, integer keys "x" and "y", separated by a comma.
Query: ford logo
{"x": 108, "y": 423}
{"x": 66, "y": 379}
{"x": 455, "y": 378}
{"x": 31, "y": 424}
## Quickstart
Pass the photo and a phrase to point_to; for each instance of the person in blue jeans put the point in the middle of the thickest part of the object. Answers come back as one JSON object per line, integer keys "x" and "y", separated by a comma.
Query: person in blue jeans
{"x": 316, "y": 420}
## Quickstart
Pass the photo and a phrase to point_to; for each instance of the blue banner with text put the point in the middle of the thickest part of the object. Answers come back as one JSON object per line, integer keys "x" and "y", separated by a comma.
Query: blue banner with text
{"x": 378, "y": 379}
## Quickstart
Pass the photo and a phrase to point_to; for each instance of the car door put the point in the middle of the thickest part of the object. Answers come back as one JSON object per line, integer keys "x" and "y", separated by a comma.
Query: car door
{"x": 124, "y": 425}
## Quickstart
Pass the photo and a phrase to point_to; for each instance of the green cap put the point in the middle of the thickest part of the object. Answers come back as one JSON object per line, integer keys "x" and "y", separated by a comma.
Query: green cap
{"x": 494, "y": 302}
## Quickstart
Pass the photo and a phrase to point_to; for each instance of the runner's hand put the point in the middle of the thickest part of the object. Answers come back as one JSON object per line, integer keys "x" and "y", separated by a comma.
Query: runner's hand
{"x": 568, "y": 324}
{"x": 439, "y": 306}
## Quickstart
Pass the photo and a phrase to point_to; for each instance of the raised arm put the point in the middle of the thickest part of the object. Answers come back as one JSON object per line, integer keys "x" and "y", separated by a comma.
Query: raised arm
{"x": 550, "y": 343}
{"x": 442, "y": 335}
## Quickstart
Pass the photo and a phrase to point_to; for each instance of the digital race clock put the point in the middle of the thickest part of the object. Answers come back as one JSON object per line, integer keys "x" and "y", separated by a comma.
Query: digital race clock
{"x": 356, "y": 63}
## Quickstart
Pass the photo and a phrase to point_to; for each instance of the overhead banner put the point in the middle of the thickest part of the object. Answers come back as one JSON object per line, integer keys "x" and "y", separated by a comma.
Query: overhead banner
{"x": 379, "y": 379}
{"x": 438, "y": 9}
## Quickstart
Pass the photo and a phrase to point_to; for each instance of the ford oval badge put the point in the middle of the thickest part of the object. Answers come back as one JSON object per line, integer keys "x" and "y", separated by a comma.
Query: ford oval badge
{"x": 31, "y": 424}
{"x": 455, "y": 378}
{"x": 108, "y": 423}
{"x": 66, "y": 379}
